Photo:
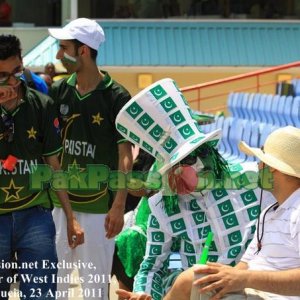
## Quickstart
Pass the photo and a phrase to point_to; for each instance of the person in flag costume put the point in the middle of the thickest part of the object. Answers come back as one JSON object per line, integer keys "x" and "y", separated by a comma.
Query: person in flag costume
{"x": 200, "y": 192}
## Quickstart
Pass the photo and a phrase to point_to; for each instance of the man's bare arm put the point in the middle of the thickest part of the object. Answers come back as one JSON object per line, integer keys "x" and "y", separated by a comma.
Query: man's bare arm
{"x": 75, "y": 233}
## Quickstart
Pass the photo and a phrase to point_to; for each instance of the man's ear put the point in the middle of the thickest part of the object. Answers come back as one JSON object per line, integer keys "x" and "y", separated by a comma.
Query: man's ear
{"x": 84, "y": 50}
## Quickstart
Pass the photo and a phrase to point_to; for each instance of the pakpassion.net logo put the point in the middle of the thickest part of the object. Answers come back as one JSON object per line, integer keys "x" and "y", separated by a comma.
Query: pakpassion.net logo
{"x": 182, "y": 179}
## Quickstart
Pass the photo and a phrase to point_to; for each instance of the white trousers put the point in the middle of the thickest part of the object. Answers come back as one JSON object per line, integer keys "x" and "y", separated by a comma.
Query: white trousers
{"x": 93, "y": 259}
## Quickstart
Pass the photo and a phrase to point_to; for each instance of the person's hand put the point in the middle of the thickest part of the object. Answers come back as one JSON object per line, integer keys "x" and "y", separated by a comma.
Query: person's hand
{"x": 7, "y": 93}
{"x": 220, "y": 278}
{"x": 114, "y": 221}
{"x": 132, "y": 296}
{"x": 75, "y": 233}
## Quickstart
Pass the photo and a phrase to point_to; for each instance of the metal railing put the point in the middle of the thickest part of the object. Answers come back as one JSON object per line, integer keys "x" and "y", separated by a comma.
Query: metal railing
{"x": 41, "y": 54}
{"x": 212, "y": 96}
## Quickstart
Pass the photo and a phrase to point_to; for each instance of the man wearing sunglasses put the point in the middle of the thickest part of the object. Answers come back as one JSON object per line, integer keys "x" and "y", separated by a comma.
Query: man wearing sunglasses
{"x": 29, "y": 139}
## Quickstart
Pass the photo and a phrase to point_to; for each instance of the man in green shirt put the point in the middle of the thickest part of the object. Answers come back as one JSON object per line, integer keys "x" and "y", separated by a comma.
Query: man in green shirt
{"x": 29, "y": 140}
{"x": 88, "y": 103}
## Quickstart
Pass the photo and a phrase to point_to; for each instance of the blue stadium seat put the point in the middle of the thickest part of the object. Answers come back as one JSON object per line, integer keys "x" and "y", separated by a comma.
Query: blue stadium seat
{"x": 254, "y": 117}
{"x": 255, "y": 133}
{"x": 296, "y": 84}
{"x": 246, "y": 137}
{"x": 261, "y": 108}
{"x": 287, "y": 111}
{"x": 219, "y": 125}
{"x": 256, "y": 108}
{"x": 235, "y": 136}
{"x": 265, "y": 130}
{"x": 207, "y": 127}
{"x": 267, "y": 109}
{"x": 225, "y": 147}
{"x": 250, "y": 108}
{"x": 254, "y": 139}
{"x": 219, "y": 122}
{"x": 231, "y": 104}
{"x": 242, "y": 105}
{"x": 295, "y": 113}
{"x": 280, "y": 110}
{"x": 274, "y": 109}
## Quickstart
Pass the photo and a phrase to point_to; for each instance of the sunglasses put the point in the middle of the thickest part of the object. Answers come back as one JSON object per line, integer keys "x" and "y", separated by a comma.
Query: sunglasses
{"x": 4, "y": 76}
{"x": 189, "y": 160}
{"x": 9, "y": 127}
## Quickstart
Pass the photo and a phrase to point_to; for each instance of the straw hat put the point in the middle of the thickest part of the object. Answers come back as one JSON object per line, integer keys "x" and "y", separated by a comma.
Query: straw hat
{"x": 159, "y": 120}
{"x": 281, "y": 150}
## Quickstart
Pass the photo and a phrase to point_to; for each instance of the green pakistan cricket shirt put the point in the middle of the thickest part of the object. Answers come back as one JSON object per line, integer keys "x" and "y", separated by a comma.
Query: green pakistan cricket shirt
{"x": 90, "y": 141}
{"x": 35, "y": 134}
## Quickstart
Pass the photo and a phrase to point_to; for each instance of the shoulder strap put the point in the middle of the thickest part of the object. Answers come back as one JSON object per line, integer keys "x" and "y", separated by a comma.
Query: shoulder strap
{"x": 29, "y": 79}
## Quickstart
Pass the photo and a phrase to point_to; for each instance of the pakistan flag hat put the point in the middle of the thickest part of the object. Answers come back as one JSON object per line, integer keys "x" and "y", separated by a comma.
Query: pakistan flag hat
{"x": 159, "y": 120}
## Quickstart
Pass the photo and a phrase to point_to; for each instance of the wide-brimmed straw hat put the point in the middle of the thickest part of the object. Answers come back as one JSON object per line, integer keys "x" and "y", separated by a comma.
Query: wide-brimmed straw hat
{"x": 280, "y": 151}
{"x": 159, "y": 120}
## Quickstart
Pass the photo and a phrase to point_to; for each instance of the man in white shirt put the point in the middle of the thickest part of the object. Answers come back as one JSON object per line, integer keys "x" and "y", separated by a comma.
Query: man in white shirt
{"x": 270, "y": 267}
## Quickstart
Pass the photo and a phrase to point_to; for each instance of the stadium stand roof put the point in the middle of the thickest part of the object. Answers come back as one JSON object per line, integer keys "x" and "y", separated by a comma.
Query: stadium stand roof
{"x": 189, "y": 43}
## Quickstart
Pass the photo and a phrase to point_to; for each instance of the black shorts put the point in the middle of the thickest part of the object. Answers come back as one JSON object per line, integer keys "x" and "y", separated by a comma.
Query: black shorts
{"x": 119, "y": 271}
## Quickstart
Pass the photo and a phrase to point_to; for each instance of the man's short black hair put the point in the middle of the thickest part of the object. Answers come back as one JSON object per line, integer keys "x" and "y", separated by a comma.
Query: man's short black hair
{"x": 9, "y": 46}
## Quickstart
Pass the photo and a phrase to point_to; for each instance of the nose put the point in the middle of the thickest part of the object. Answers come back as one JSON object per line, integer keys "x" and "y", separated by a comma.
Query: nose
{"x": 12, "y": 80}
{"x": 260, "y": 165}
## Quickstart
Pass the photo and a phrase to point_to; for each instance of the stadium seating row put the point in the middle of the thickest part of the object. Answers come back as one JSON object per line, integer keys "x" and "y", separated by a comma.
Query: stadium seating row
{"x": 273, "y": 109}
{"x": 235, "y": 130}
{"x": 253, "y": 118}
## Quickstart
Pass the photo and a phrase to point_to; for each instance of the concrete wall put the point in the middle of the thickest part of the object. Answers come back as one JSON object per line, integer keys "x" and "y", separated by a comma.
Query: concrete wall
{"x": 29, "y": 36}
{"x": 184, "y": 76}
{"x": 187, "y": 76}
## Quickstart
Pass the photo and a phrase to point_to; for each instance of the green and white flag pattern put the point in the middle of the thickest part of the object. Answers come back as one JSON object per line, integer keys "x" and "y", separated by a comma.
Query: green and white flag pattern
{"x": 225, "y": 207}
{"x": 168, "y": 104}
{"x": 134, "y": 110}
{"x": 134, "y": 137}
{"x": 229, "y": 214}
{"x": 234, "y": 252}
{"x": 122, "y": 128}
{"x": 170, "y": 145}
{"x": 189, "y": 248}
{"x": 248, "y": 197}
{"x": 177, "y": 118}
{"x": 186, "y": 131}
{"x": 156, "y": 132}
{"x": 158, "y": 92}
{"x": 145, "y": 121}
{"x": 178, "y": 225}
{"x": 160, "y": 121}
